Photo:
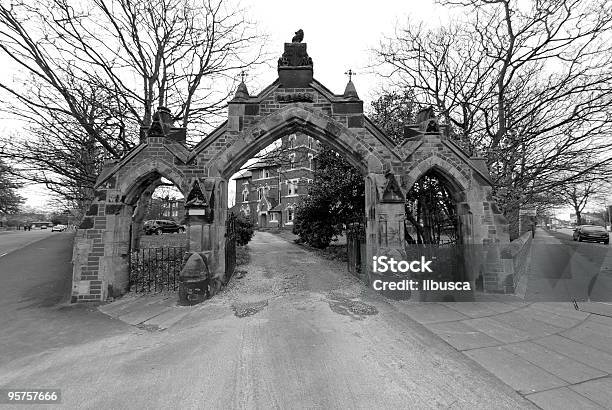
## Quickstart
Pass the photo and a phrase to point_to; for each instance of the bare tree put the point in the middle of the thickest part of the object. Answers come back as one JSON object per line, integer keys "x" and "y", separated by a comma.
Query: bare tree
{"x": 528, "y": 85}
{"x": 91, "y": 74}
{"x": 10, "y": 201}
{"x": 580, "y": 195}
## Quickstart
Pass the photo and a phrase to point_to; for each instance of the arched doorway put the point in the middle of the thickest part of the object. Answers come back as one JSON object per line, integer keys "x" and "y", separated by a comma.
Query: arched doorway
{"x": 295, "y": 121}
{"x": 434, "y": 229}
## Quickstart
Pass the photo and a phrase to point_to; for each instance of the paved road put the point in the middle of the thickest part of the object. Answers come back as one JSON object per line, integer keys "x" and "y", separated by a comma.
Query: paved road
{"x": 35, "y": 282}
{"x": 12, "y": 240}
{"x": 563, "y": 270}
{"x": 294, "y": 332}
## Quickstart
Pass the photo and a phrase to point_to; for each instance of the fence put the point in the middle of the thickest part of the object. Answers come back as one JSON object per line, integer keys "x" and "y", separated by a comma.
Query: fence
{"x": 230, "y": 245}
{"x": 355, "y": 247}
{"x": 156, "y": 269}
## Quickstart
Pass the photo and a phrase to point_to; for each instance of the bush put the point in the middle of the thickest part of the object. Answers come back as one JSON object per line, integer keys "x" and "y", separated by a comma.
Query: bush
{"x": 314, "y": 223}
{"x": 245, "y": 229}
{"x": 336, "y": 199}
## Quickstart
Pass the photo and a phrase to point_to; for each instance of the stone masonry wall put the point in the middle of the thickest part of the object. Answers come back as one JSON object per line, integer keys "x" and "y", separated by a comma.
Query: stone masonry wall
{"x": 102, "y": 244}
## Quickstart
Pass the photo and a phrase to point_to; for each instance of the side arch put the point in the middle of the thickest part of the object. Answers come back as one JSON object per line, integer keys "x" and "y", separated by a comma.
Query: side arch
{"x": 460, "y": 184}
{"x": 135, "y": 180}
{"x": 291, "y": 120}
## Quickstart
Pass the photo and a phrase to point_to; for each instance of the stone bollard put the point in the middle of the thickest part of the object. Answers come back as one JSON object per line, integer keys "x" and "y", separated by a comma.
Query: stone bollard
{"x": 194, "y": 280}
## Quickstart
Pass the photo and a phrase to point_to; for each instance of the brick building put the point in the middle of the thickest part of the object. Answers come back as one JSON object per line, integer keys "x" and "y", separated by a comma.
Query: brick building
{"x": 269, "y": 190}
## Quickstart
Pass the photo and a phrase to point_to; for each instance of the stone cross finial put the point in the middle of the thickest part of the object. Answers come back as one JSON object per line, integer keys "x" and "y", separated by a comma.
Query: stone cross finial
{"x": 350, "y": 74}
{"x": 243, "y": 75}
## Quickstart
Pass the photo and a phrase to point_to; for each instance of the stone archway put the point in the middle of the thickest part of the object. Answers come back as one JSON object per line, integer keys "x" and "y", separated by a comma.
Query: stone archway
{"x": 294, "y": 102}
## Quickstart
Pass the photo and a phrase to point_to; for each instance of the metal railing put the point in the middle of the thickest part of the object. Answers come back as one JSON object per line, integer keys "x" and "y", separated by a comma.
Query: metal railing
{"x": 156, "y": 269}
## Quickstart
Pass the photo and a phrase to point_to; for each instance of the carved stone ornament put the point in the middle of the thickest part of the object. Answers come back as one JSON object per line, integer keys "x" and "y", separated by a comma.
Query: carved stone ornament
{"x": 425, "y": 114}
{"x": 196, "y": 197}
{"x": 295, "y": 55}
{"x": 392, "y": 191}
{"x": 295, "y": 97}
{"x": 432, "y": 126}
{"x": 156, "y": 129}
{"x": 257, "y": 132}
{"x": 299, "y": 36}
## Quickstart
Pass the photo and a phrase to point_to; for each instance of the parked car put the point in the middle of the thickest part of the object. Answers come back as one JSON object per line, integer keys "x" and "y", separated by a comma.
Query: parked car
{"x": 159, "y": 226}
{"x": 591, "y": 233}
{"x": 58, "y": 228}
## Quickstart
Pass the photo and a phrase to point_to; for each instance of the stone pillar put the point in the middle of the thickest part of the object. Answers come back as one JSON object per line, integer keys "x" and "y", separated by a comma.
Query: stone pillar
{"x": 101, "y": 249}
{"x": 386, "y": 215}
{"x": 205, "y": 215}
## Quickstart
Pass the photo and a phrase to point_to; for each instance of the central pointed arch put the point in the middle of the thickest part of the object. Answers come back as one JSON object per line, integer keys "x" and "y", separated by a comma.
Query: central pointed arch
{"x": 298, "y": 119}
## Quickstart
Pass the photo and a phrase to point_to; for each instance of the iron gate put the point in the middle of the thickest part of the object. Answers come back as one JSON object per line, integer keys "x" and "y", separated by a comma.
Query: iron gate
{"x": 355, "y": 246}
{"x": 156, "y": 269}
{"x": 230, "y": 245}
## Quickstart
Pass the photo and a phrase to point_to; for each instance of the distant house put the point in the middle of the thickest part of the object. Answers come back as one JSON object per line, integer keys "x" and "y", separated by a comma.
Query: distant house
{"x": 269, "y": 190}
{"x": 41, "y": 224}
{"x": 589, "y": 218}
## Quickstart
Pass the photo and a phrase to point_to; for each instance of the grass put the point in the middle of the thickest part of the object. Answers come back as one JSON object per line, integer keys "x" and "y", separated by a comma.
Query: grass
{"x": 243, "y": 256}
{"x": 332, "y": 252}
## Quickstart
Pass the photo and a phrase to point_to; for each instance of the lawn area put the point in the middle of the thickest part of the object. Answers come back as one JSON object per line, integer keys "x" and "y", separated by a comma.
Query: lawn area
{"x": 242, "y": 255}
{"x": 335, "y": 251}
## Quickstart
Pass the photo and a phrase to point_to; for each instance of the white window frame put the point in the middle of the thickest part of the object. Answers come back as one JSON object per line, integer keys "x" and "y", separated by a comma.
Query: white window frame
{"x": 292, "y": 160}
{"x": 310, "y": 159}
{"x": 245, "y": 194}
{"x": 290, "y": 215}
{"x": 273, "y": 217}
{"x": 292, "y": 183}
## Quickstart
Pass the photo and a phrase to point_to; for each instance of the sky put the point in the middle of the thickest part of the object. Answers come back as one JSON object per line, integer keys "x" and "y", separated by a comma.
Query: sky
{"x": 339, "y": 34}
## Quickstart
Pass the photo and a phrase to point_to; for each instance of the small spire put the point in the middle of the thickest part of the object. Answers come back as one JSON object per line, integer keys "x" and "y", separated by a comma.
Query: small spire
{"x": 350, "y": 91}
{"x": 241, "y": 92}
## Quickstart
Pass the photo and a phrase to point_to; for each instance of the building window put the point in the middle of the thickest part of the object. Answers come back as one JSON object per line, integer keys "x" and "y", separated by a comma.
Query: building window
{"x": 310, "y": 157}
{"x": 290, "y": 214}
{"x": 273, "y": 217}
{"x": 245, "y": 195}
{"x": 291, "y": 161}
{"x": 259, "y": 193}
{"x": 265, "y": 173}
{"x": 292, "y": 141}
{"x": 292, "y": 187}
{"x": 309, "y": 142}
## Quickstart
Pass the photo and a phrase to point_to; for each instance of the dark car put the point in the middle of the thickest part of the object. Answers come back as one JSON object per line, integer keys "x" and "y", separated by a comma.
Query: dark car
{"x": 591, "y": 233}
{"x": 160, "y": 226}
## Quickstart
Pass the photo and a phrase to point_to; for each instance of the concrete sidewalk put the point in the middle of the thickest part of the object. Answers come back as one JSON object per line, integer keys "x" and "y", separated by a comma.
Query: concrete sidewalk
{"x": 554, "y": 355}
{"x": 549, "y": 352}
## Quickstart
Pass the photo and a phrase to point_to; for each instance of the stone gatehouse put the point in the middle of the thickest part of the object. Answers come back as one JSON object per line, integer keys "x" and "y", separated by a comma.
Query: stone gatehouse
{"x": 295, "y": 103}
